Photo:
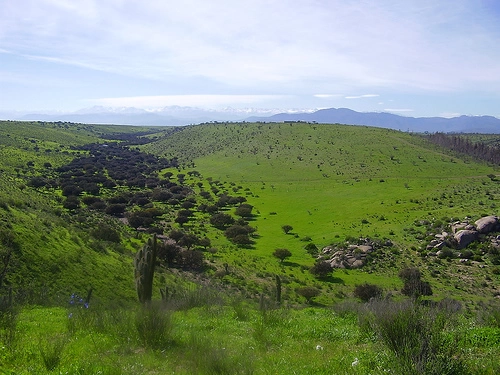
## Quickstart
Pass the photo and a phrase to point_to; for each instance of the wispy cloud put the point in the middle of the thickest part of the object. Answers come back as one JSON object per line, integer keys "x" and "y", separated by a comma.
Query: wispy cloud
{"x": 327, "y": 96}
{"x": 398, "y": 110}
{"x": 362, "y": 96}
{"x": 295, "y": 47}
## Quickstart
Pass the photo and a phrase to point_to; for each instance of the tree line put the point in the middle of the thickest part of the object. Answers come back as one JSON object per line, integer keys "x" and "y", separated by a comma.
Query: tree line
{"x": 457, "y": 143}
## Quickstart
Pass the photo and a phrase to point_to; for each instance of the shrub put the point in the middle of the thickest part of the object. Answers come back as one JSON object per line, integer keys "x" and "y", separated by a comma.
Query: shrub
{"x": 418, "y": 337}
{"x": 413, "y": 285}
{"x": 153, "y": 326}
{"x": 308, "y": 292}
{"x": 366, "y": 292}
{"x": 287, "y": 228}
{"x": 321, "y": 269}
{"x": 312, "y": 249}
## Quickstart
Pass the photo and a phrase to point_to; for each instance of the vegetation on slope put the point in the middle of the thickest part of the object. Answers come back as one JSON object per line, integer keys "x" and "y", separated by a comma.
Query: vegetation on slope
{"x": 246, "y": 208}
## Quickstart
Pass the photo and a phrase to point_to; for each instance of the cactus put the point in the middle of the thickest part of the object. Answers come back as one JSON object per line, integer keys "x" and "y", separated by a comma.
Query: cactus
{"x": 144, "y": 265}
{"x": 278, "y": 289}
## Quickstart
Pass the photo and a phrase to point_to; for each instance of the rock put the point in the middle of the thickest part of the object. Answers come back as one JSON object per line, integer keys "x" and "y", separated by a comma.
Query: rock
{"x": 464, "y": 237}
{"x": 486, "y": 224}
{"x": 455, "y": 227}
{"x": 440, "y": 245}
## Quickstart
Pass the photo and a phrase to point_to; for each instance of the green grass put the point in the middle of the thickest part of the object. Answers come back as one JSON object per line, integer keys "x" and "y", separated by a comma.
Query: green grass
{"x": 230, "y": 338}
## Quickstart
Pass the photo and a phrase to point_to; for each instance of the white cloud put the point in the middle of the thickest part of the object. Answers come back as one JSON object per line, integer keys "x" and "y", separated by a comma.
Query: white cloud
{"x": 450, "y": 114}
{"x": 362, "y": 96}
{"x": 398, "y": 110}
{"x": 327, "y": 96}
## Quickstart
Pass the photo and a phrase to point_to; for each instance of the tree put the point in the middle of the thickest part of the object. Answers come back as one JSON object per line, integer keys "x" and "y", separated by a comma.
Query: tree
{"x": 287, "y": 228}
{"x": 204, "y": 242}
{"x": 308, "y": 292}
{"x": 221, "y": 221}
{"x": 282, "y": 254}
{"x": 244, "y": 210}
{"x": 414, "y": 286}
{"x": 188, "y": 240}
{"x": 321, "y": 269}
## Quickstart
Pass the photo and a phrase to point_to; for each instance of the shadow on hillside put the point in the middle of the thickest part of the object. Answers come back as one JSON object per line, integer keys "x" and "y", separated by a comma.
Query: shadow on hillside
{"x": 333, "y": 280}
{"x": 290, "y": 264}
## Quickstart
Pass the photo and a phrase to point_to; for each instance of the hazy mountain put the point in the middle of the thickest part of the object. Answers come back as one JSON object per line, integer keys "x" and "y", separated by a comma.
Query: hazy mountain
{"x": 177, "y": 115}
{"x": 171, "y": 115}
{"x": 465, "y": 124}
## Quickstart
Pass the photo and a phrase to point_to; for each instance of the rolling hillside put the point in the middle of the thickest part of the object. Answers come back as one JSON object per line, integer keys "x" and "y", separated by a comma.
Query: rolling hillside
{"x": 328, "y": 182}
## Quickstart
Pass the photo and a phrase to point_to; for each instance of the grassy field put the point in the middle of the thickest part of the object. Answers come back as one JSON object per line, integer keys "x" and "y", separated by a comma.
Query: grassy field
{"x": 330, "y": 182}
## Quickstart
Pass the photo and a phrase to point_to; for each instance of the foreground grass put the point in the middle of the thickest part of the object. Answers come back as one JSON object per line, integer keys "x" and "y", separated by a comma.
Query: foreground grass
{"x": 233, "y": 337}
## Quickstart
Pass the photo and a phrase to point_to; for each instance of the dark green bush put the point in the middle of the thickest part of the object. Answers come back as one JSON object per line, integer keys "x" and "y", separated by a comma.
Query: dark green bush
{"x": 366, "y": 292}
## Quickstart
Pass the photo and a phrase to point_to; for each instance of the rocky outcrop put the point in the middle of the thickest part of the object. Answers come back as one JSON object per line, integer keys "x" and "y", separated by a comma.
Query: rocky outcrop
{"x": 464, "y": 237}
{"x": 487, "y": 224}
{"x": 464, "y": 233}
{"x": 354, "y": 256}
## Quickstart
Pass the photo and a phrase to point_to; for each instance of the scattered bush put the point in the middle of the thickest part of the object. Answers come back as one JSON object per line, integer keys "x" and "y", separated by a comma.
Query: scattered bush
{"x": 308, "y": 292}
{"x": 366, "y": 292}
{"x": 282, "y": 254}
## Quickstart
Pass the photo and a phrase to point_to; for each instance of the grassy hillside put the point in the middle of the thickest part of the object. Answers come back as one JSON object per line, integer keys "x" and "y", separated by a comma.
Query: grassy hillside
{"x": 54, "y": 253}
{"x": 330, "y": 182}
{"x": 78, "y": 201}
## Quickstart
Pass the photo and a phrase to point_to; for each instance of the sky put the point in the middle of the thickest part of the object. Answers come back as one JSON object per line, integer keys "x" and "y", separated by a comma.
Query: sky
{"x": 416, "y": 58}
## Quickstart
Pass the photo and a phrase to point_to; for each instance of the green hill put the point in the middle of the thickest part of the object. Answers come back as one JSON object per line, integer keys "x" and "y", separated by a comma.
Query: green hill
{"x": 328, "y": 182}
{"x": 242, "y": 212}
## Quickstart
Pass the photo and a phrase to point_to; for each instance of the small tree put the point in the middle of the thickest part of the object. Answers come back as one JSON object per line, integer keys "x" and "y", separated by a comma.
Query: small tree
{"x": 244, "y": 210}
{"x": 287, "y": 228}
{"x": 308, "y": 292}
{"x": 282, "y": 254}
{"x": 414, "y": 286}
{"x": 321, "y": 269}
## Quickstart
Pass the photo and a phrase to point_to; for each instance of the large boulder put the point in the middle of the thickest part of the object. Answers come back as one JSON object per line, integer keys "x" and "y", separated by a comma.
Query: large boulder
{"x": 465, "y": 237}
{"x": 486, "y": 224}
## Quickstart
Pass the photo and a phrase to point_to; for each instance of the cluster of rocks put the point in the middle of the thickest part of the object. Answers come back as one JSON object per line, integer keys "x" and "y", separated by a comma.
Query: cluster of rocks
{"x": 464, "y": 233}
{"x": 353, "y": 256}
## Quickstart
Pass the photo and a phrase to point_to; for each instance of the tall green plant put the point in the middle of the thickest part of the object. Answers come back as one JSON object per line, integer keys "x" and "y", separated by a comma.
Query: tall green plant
{"x": 144, "y": 265}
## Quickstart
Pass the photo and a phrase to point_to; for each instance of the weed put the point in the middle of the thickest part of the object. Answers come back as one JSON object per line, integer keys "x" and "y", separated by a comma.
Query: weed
{"x": 51, "y": 350}
{"x": 217, "y": 360}
{"x": 153, "y": 326}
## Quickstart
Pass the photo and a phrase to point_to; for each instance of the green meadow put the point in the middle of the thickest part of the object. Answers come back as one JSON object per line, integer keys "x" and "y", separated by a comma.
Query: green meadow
{"x": 68, "y": 301}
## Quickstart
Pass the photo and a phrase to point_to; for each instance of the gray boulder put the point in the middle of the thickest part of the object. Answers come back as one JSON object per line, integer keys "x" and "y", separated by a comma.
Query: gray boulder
{"x": 486, "y": 224}
{"x": 465, "y": 237}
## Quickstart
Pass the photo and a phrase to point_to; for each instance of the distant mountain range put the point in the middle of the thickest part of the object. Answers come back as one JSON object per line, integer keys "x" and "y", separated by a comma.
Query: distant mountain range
{"x": 178, "y": 116}
{"x": 462, "y": 124}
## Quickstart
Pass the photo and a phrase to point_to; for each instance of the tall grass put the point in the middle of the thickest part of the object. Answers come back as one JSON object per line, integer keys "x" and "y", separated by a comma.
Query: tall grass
{"x": 154, "y": 325}
{"x": 51, "y": 350}
{"x": 420, "y": 337}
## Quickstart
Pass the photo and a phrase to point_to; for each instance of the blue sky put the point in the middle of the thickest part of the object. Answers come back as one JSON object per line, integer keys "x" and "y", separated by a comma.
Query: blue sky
{"x": 415, "y": 58}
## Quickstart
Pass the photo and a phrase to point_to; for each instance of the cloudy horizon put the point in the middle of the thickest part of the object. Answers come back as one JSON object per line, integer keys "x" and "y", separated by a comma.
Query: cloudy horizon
{"x": 417, "y": 58}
